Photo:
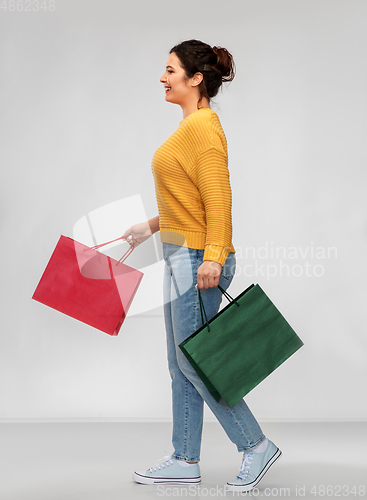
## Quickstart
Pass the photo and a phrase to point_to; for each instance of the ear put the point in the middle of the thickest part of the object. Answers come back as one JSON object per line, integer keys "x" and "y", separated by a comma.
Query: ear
{"x": 196, "y": 79}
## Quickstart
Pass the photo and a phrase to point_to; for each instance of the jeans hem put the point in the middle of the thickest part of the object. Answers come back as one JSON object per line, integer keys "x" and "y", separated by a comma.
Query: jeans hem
{"x": 245, "y": 448}
{"x": 186, "y": 459}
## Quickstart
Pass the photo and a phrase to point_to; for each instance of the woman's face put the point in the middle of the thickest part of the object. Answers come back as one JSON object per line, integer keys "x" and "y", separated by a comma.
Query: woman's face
{"x": 177, "y": 86}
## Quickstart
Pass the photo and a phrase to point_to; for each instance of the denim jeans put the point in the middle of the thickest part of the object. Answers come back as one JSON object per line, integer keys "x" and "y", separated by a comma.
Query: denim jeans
{"x": 182, "y": 318}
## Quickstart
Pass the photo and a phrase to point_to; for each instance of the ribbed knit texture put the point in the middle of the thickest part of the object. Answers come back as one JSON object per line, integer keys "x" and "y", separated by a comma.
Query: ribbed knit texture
{"x": 192, "y": 186}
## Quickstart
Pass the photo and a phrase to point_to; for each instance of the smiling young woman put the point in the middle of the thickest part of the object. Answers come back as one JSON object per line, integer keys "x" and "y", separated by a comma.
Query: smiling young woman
{"x": 195, "y": 222}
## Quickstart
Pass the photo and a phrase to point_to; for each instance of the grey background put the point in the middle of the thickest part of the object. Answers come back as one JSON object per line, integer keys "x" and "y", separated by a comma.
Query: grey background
{"x": 82, "y": 112}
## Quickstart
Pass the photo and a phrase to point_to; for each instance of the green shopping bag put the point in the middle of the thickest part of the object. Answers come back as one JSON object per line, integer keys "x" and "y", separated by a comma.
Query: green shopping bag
{"x": 241, "y": 345}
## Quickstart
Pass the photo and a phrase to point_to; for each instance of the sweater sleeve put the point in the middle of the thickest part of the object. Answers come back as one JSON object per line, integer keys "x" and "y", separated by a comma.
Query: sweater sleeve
{"x": 214, "y": 187}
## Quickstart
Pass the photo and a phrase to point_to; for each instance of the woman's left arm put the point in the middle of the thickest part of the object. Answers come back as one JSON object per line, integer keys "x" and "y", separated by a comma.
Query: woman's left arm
{"x": 213, "y": 183}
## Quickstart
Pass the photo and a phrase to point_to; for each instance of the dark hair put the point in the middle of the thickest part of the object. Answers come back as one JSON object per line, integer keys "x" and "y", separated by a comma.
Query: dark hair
{"x": 215, "y": 63}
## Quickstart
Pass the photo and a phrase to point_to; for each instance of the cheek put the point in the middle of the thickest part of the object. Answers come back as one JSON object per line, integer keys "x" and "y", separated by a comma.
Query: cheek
{"x": 180, "y": 85}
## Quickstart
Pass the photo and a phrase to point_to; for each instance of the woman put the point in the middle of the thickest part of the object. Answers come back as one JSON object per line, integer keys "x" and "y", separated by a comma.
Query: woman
{"x": 194, "y": 203}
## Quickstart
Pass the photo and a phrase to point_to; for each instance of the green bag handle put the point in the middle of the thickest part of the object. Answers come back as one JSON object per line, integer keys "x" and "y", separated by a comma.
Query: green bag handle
{"x": 202, "y": 308}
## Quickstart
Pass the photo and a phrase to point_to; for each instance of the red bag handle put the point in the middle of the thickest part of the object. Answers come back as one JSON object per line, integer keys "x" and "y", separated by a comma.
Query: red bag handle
{"x": 126, "y": 254}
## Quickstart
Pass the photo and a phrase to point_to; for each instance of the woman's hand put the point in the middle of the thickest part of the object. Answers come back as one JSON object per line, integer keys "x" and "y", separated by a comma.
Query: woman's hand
{"x": 138, "y": 233}
{"x": 208, "y": 274}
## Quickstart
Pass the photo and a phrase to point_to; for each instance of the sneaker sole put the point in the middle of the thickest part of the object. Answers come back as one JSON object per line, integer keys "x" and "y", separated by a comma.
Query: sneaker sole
{"x": 165, "y": 480}
{"x": 250, "y": 486}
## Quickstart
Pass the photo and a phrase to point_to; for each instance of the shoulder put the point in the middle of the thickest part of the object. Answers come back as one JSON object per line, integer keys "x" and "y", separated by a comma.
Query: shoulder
{"x": 204, "y": 118}
{"x": 205, "y": 125}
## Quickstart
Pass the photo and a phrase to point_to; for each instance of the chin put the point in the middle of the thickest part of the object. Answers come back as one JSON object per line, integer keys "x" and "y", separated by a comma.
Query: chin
{"x": 169, "y": 99}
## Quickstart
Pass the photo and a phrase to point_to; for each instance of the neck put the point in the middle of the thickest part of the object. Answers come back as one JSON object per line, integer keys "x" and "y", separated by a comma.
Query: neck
{"x": 193, "y": 106}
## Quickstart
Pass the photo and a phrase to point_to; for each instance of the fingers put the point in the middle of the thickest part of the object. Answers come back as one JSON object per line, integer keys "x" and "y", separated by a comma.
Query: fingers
{"x": 208, "y": 275}
{"x": 130, "y": 239}
{"x": 209, "y": 282}
{"x": 126, "y": 234}
{"x": 200, "y": 283}
{"x": 129, "y": 236}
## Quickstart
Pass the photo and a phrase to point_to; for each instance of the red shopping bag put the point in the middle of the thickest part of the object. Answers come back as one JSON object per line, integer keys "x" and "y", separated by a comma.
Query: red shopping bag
{"x": 88, "y": 285}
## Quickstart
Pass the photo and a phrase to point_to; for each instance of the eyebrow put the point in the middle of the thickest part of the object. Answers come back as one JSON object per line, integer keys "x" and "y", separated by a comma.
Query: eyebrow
{"x": 170, "y": 67}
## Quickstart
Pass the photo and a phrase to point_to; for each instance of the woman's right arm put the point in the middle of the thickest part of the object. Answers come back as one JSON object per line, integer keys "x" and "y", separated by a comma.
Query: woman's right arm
{"x": 138, "y": 233}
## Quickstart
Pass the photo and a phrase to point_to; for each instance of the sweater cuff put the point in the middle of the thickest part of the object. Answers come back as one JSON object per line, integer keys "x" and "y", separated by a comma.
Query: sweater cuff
{"x": 216, "y": 253}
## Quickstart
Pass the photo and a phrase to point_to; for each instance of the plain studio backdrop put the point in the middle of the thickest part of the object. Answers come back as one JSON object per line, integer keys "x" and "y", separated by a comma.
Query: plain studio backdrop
{"x": 82, "y": 112}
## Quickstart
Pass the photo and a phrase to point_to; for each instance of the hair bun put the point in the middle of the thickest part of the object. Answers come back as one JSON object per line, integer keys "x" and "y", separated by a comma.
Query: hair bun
{"x": 225, "y": 63}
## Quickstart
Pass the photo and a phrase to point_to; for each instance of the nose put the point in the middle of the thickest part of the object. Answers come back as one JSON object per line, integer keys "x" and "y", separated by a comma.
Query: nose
{"x": 163, "y": 78}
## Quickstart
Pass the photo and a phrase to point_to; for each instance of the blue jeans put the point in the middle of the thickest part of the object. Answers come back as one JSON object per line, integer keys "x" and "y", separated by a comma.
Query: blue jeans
{"x": 182, "y": 318}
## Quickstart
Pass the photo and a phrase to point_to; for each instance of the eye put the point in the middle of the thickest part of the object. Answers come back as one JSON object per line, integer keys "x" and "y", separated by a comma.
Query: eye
{"x": 169, "y": 71}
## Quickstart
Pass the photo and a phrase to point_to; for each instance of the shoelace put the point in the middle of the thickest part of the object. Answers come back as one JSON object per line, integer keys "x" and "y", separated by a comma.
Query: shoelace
{"x": 163, "y": 463}
{"x": 246, "y": 465}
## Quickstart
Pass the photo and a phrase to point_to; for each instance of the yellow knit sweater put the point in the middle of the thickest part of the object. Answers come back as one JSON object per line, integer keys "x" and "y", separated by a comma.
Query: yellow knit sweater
{"x": 192, "y": 186}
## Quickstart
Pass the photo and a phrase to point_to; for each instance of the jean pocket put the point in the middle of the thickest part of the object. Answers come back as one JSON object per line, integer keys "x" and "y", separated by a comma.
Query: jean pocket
{"x": 226, "y": 276}
{"x": 229, "y": 267}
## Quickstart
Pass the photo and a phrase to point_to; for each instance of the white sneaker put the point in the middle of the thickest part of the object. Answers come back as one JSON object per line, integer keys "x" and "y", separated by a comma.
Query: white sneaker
{"x": 170, "y": 470}
{"x": 255, "y": 464}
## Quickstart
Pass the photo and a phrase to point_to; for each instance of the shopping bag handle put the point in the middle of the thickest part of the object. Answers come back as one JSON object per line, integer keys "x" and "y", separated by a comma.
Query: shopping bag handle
{"x": 126, "y": 254}
{"x": 202, "y": 311}
{"x": 202, "y": 308}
